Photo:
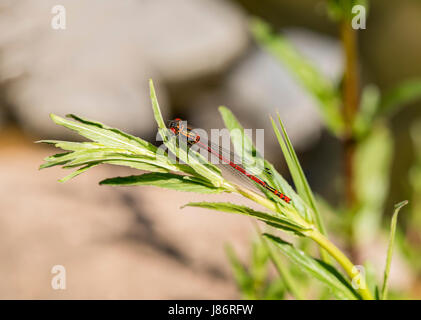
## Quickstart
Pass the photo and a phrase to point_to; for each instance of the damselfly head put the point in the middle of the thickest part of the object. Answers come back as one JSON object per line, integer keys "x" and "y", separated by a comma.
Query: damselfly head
{"x": 175, "y": 125}
{"x": 180, "y": 128}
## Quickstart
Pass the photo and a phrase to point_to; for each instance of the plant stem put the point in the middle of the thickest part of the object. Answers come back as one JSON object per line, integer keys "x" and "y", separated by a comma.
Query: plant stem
{"x": 350, "y": 104}
{"x": 319, "y": 238}
{"x": 346, "y": 264}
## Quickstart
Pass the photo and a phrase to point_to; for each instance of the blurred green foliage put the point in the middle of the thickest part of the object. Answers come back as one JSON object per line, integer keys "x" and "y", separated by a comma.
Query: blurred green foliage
{"x": 254, "y": 281}
{"x": 374, "y": 146}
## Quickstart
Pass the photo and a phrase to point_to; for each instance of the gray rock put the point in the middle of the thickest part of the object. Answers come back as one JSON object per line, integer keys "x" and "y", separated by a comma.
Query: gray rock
{"x": 189, "y": 39}
{"x": 260, "y": 86}
{"x": 99, "y": 66}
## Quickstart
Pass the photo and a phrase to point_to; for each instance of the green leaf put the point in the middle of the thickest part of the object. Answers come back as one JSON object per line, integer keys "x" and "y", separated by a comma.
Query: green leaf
{"x": 107, "y": 136}
{"x": 112, "y": 146}
{"x": 318, "y": 269}
{"x": 240, "y": 140}
{"x": 297, "y": 174}
{"x": 106, "y": 155}
{"x": 393, "y": 223}
{"x": 78, "y": 172}
{"x": 188, "y": 156}
{"x": 283, "y": 270}
{"x": 155, "y": 106}
{"x": 320, "y": 87}
{"x": 165, "y": 180}
{"x": 278, "y": 222}
{"x": 99, "y": 152}
{"x": 400, "y": 96}
{"x": 72, "y": 146}
{"x": 139, "y": 165}
{"x": 84, "y": 156}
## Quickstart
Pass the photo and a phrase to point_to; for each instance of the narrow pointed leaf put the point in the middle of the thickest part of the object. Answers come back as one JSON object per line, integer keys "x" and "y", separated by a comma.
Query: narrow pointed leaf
{"x": 306, "y": 193}
{"x": 72, "y": 146}
{"x": 297, "y": 174}
{"x": 155, "y": 106}
{"x": 78, "y": 172}
{"x": 278, "y": 222}
{"x": 393, "y": 223}
{"x": 193, "y": 159}
{"x": 144, "y": 166}
{"x": 317, "y": 269}
{"x": 105, "y": 135}
{"x": 87, "y": 152}
{"x": 164, "y": 180}
{"x": 239, "y": 139}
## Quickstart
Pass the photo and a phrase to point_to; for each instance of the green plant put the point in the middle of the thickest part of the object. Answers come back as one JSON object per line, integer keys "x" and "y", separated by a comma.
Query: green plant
{"x": 300, "y": 218}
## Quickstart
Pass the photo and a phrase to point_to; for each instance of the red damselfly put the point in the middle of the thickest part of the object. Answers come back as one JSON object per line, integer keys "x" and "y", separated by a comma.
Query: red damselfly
{"x": 179, "y": 128}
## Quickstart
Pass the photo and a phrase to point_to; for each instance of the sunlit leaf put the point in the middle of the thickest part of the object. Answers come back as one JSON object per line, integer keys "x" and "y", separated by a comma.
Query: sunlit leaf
{"x": 278, "y": 222}
{"x": 106, "y": 155}
{"x": 297, "y": 174}
{"x": 192, "y": 158}
{"x": 110, "y": 146}
{"x": 110, "y": 137}
{"x": 78, "y": 172}
{"x": 326, "y": 273}
{"x": 165, "y": 180}
{"x": 393, "y": 223}
{"x": 72, "y": 146}
{"x": 282, "y": 269}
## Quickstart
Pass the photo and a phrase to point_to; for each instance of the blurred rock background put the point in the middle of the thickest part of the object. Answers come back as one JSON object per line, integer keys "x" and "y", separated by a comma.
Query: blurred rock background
{"x": 129, "y": 243}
